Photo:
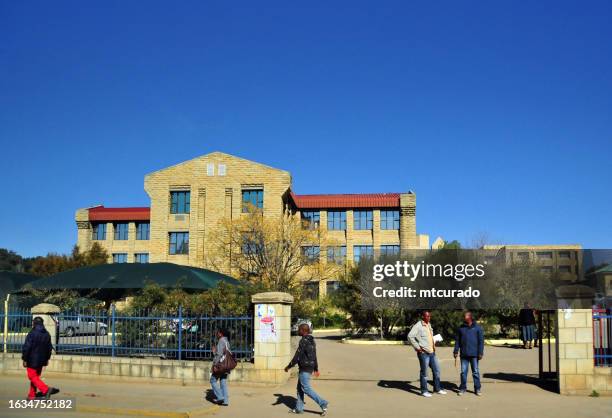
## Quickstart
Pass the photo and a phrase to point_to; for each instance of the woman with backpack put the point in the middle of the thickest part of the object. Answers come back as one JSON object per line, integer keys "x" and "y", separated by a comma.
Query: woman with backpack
{"x": 218, "y": 379}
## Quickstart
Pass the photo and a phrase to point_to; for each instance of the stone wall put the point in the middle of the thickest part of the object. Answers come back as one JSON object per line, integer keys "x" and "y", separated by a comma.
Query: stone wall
{"x": 577, "y": 372}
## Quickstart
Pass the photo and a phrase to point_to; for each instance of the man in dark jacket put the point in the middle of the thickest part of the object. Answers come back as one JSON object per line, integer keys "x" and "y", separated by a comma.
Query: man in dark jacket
{"x": 470, "y": 343}
{"x": 306, "y": 359}
{"x": 35, "y": 354}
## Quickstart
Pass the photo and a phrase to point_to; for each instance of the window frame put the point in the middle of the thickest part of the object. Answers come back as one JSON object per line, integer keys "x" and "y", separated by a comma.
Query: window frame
{"x": 336, "y": 254}
{"x": 369, "y": 248}
{"x": 121, "y": 234}
{"x": 178, "y": 207}
{"x": 389, "y": 217}
{"x": 184, "y": 243}
{"x": 116, "y": 257}
{"x": 363, "y": 218}
{"x": 256, "y": 202}
{"x": 311, "y": 222}
{"x": 95, "y": 233}
{"x": 139, "y": 231}
{"x": 136, "y": 256}
{"x": 331, "y": 220}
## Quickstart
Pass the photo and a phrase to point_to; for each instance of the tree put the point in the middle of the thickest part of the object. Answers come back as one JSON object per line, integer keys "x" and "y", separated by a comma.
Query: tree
{"x": 268, "y": 251}
{"x": 56, "y": 263}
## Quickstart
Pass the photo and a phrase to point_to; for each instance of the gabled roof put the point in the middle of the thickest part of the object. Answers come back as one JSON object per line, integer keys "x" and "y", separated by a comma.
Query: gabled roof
{"x": 100, "y": 213}
{"x": 346, "y": 201}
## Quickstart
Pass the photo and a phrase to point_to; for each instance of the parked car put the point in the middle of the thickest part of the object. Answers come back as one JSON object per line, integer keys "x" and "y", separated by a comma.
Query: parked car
{"x": 71, "y": 325}
{"x": 299, "y": 321}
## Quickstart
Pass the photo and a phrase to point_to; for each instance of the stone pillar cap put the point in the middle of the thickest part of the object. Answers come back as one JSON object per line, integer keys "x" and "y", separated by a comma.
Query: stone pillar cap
{"x": 45, "y": 308}
{"x": 272, "y": 297}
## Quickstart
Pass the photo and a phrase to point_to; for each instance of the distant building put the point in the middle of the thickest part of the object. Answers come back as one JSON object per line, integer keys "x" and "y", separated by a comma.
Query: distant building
{"x": 189, "y": 199}
{"x": 564, "y": 261}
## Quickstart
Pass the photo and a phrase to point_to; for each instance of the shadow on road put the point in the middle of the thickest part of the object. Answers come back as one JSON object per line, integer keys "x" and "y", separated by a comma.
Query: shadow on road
{"x": 408, "y": 387}
{"x": 530, "y": 379}
{"x": 289, "y": 402}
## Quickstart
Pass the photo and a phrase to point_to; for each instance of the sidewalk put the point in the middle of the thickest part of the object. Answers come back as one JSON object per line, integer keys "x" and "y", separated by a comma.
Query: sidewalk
{"x": 348, "y": 399}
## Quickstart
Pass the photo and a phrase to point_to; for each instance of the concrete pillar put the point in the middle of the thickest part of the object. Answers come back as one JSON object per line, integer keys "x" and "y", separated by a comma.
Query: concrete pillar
{"x": 272, "y": 316}
{"x": 577, "y": 372}
{"x": 407, "y": 232}
{"x": 47, "y": 312}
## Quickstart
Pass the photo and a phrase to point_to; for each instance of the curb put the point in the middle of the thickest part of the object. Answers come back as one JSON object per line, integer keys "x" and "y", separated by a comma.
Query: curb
{"x": 147, "y": 412}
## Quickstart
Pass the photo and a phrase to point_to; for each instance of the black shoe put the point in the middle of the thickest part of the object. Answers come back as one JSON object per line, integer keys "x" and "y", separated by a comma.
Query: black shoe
{"x": 51, "y": 391}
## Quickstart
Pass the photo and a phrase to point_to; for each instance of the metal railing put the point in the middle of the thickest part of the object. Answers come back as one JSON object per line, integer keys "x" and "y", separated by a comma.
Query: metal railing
{"x": 602, "y": 337}
{"x": 145, "y": 333}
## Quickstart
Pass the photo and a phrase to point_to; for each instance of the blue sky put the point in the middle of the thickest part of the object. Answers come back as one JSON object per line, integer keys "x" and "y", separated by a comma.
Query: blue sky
{"x": 498, "y": 114}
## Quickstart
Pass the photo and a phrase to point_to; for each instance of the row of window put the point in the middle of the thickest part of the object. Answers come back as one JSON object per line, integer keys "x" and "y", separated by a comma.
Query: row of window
{"x": 138, "y": 258}
{"x": 121, "y": 231}
{"x": 180, "y": 201}
{"x": 337, "y": 254}
{"x": 362, "y": 219}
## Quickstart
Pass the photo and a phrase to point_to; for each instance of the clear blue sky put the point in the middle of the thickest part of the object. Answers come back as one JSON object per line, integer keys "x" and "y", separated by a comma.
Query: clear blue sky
{"x": 497, "y": 113}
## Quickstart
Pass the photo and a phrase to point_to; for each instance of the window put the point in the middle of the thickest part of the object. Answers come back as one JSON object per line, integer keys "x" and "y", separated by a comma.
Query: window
{"x": 141, "y": 258}
{"x": 311, "y": 219}
{"x": 222, "y": 169}
{"x": 336, "y": 220}
{"x": 120, "y": 258}
{"x": 362, "y": 251}
{"x": 252, "y": 199}
{"x": 210, "y": 169}
{"x": 546, "y": 255}
{"x": 98, "y": 232}
{"x": 362, "y": 219}
{"x": 336, "y": 254}
{"x": 389, "y": 219}
{"x": 121, "y": 231}
{"x": 389, "y": 250}
{"x": 142, "y": 230}
{"x": 180, "y": 202}
{"x": 547, "y": 270}
{"x": 565, "y": 269}
{"x": 331, "y": 287}
{"x": 311, "y": 290}
{"x": 564, "y": 254}
{"x": 522, "y": 256}
{"x": 311, "y": 253}
{"x": 179, "y": 242}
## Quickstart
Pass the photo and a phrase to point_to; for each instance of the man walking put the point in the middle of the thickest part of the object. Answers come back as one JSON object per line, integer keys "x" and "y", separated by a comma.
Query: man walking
{"x": 35, "y": 354}
{"x": 470, "y": 345}
{"x": 421, "y": 339}
{"x": 306, "y": 359}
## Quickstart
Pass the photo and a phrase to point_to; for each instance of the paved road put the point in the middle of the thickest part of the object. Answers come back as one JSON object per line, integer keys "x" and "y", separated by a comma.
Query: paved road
{"x": 359, "y": 381}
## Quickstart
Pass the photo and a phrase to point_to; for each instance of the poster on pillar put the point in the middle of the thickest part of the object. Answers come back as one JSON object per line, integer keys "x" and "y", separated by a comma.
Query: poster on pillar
{"x": 266, "y": 316}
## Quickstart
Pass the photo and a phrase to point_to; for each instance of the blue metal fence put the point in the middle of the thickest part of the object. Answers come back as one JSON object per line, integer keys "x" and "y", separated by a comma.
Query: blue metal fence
{"x": 602, "y": 337}
{"x": 145, "y": 333}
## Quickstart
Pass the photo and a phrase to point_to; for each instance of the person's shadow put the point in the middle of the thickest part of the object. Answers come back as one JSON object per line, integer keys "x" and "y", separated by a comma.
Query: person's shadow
{"x": 289, "y": 402}
{"x": 409, "y": 387}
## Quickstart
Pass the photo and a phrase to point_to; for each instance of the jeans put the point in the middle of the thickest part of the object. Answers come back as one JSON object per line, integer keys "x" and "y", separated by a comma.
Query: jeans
{"x": 465, "y": 363}
{"x": 429, "y": 360}
{"x": 220, "y": 393}
{"x": 303, "y": 387}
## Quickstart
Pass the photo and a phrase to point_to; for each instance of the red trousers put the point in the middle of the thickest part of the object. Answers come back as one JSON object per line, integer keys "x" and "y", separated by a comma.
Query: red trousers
{"x": 36, "y": 383}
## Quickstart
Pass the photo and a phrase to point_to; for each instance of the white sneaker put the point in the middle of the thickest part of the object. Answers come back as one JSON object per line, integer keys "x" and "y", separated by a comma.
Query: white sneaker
{"x": 478, "y": 393}
{"x": 441, "y": 392}
{"x": 426, "y": 394}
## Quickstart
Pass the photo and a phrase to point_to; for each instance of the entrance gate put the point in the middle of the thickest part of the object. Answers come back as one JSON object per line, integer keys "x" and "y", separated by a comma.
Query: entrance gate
{"x": 547, "y": 347}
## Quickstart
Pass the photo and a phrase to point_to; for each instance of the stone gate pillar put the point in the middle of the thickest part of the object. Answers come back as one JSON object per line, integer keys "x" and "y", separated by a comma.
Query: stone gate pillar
{"x": 48, "y": 312}
{"x": 272, "y": 316}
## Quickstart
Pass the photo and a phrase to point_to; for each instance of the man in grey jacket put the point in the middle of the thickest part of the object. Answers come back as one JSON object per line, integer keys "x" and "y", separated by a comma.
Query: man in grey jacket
{"x": 421, "y": 339}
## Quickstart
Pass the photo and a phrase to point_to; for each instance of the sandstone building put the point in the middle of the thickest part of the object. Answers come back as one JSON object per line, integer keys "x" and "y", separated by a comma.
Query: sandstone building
{"x": 189, "y": 199}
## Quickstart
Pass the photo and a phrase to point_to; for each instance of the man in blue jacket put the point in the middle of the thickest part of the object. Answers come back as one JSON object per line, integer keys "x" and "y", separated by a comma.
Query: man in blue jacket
{"x": 470, "y": 344}
{"x": 35, "y": 354}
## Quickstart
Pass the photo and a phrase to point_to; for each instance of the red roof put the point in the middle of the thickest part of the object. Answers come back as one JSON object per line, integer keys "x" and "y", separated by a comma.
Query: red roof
{"x": 100, "y": 213}
{"x": 346, "y": 201}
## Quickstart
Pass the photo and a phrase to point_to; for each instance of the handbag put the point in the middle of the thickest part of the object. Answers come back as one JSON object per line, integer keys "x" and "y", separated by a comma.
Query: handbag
{"x": 226, "y": 364}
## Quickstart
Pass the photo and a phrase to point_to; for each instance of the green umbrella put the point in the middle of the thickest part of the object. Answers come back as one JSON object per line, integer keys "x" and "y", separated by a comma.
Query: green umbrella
{"x": 134, "y": 276}
{"x": 11, "y": 281}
